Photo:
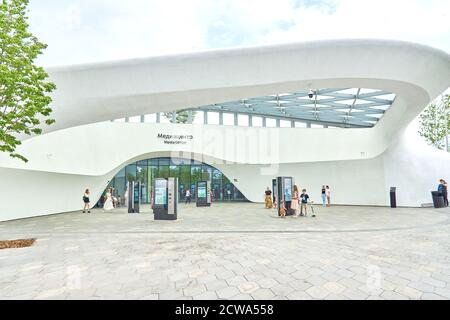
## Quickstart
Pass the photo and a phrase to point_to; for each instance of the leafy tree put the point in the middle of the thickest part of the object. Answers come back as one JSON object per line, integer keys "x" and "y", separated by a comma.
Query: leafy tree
{"x": 435, "y": 122}
{"x": 181, "y": 116}
{"x": 24, "y": 91}
{"x": 446, "y": 101}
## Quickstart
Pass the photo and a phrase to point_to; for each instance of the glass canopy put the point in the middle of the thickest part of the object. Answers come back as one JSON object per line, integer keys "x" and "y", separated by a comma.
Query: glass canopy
{"x": 343, "y": 107}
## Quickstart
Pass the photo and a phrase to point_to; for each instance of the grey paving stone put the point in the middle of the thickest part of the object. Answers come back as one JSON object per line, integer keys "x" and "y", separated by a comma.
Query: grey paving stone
{"x": 194, "y": 291}
{"x": 267, "y": 283}
{"x": 316, "y": 280}
{"x": 301, "y": 275}
{"x": 378, "y": 297}
{"x": 422, "y": 287}
{"x": 242, "y": 296}
{"x": 334, "y": 287}
{"x": 248, "y": 287}
{"x": 263, "y": 294}
{"x": 208, "y": 295}
{"x": 355, "y": 294}
{"x": 282, "y": 290}
{"x": 280, "y": 298}
{"x": 216, "y": 285}
{"x": 299, "y": 295}
{"x": 123, "y": 256}
{"x": 334, "y": 297}
{"x": 433, "y": 282}
{"x": 391, "y": 295}
{"x": 444, "y": 292}
{"x": 317, "y": 292}
{"x": 225, "y": 275}
{"x": 300, "y": 285}
{"x": 409, "y": 292}
{"x": 332, "y": 277}
{"x": 206, "y": 279}
{"x": 172, "y": 295}
{"x": 432, "y": 296}
{"x": 345, "y": 273}
{"x": 228, "y": 292}
{"x": 236, "y": 281}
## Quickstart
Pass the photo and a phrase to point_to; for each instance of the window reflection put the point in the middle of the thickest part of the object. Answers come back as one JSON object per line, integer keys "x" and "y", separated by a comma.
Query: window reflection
{"x": 188, "y": 171}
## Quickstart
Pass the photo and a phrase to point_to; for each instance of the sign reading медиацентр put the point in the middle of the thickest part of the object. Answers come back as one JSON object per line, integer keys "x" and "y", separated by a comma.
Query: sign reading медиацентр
{"x": 175, "y": 139}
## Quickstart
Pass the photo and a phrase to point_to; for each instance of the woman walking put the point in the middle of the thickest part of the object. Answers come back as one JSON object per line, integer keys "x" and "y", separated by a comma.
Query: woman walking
{"x": 109, "y": 205}
{"x": 269, "y": 201}
{"x": 188, "y": 196}
{"x": 324, "y": 196}
{"x": 87, "y": 202}
{"x": 328, "y": 193}
{"x": 295, "y": 201}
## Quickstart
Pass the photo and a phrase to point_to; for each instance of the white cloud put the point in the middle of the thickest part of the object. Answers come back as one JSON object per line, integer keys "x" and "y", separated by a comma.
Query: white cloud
{"x": 80, "y": 31}
{"x": 411, "y": 20}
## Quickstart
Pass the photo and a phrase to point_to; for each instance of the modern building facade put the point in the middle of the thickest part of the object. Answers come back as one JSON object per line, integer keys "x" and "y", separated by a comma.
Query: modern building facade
{"x": 339, "y": 113}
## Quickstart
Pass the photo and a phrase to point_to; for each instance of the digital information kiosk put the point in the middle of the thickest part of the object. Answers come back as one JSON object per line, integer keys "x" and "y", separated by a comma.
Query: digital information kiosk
{"x": 203, "y": 196}
{"x": 166, "y": 199}
{"x": 284, "y": 193}
{"x": 134, "y": 196}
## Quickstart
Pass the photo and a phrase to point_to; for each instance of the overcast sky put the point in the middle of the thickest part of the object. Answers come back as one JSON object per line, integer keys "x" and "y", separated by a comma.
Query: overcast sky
{"x": 80, "y": 31}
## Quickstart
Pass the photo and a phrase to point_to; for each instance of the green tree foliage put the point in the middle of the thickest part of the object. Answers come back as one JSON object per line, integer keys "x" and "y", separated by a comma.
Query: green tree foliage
{"x": 181, "y": 116}
{"x": 435, "y": 122}
{"x": 446, "y": 101}
{"x": 24, "y": 91}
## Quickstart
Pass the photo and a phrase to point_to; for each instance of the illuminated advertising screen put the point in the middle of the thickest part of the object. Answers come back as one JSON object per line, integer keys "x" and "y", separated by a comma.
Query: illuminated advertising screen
{"x": 201, "y": 190}
{"x": 136, "y": 192}
{"x": 287, "y": 189}
{"x": 160, "y": 192}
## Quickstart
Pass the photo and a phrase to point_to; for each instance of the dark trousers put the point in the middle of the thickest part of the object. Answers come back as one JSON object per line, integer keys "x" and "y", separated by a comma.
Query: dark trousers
{"x": 188, "y": 200}
{"x": 445, "y": 195}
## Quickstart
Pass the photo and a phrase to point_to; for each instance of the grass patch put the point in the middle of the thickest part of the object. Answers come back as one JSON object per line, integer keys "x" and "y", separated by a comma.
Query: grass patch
{"x": 16, "y": 244}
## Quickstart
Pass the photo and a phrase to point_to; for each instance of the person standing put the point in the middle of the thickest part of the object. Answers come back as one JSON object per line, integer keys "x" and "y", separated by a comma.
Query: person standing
{"x": 445, "y": 193}
{"x": 109, "y": 205}
{"x": 305, "y": 200}
{"x": 443, "y": 189}
{"x": 283, "y": 210}
{"x": 269, "y": 201}
{"x": 125, "y": 198}
{"x": 188, "y": 196}
{"x": 87, "y": 201}
{"x": 295, "y": 201}
{"x": 328, "y": 194}
{"x": 324, "y": 196}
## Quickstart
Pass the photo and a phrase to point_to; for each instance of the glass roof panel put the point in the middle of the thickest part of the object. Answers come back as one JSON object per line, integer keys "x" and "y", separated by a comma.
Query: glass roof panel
{"x": 330, "y": 106}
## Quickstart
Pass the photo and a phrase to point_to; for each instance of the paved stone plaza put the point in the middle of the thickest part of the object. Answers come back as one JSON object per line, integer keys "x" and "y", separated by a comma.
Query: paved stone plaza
{"x": 231, "y": 251}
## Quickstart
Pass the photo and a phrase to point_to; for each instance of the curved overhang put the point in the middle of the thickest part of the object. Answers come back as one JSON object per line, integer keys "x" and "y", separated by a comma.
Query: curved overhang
{"x": 93, "y": 93}
{"x": 105, "y": 91}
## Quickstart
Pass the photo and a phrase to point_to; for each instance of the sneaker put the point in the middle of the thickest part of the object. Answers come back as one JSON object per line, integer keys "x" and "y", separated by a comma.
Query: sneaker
{"x": 84, "y": 211}
{"x": 89, "y": 212}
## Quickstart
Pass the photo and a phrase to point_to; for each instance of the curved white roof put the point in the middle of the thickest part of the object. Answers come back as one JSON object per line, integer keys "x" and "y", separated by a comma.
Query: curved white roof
{"x": 105, "y": 91}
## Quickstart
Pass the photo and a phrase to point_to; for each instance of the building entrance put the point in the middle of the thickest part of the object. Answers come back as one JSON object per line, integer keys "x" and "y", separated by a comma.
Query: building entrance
{"x": 189, "y": 173}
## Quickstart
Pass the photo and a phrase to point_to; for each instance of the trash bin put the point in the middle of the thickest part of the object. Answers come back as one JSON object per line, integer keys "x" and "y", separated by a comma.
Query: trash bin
{"x": 438, "y": 199}
{"x": 393, "y": 196}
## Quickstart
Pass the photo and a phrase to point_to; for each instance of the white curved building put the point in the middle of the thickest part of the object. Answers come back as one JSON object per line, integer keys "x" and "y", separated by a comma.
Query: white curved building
{"x": 331, "y": 112}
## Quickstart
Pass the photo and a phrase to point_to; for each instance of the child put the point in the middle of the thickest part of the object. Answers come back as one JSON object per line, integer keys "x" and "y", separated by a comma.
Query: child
{"x": 283, "y": 210}
{"x": 305, "y": 199}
